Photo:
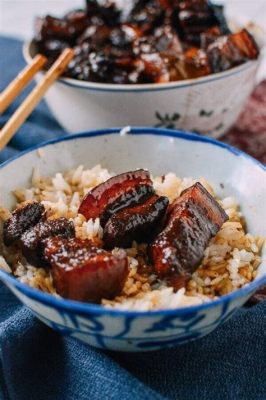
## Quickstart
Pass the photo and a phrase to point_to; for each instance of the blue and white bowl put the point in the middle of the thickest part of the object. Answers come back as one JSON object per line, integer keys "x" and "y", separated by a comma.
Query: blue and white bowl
{"x": 160, "y": 151}
{"x": 208, "y": 105}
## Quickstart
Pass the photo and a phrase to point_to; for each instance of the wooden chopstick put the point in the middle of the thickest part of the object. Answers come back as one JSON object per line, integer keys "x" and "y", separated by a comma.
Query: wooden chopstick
{"x": 25, "y": 109}
{"x": 19, "y": 83}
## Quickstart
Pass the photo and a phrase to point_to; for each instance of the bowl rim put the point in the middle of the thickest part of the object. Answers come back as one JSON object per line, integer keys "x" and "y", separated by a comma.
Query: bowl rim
{"x": 145, "y": 87}
{"x": 95, "y": 309}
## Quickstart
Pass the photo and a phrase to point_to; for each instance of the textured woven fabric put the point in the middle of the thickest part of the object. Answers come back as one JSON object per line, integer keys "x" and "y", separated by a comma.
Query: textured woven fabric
{"x": 249, "y": 132}
{"x": 40, "y": 125}
{"x": 37, "y": 363}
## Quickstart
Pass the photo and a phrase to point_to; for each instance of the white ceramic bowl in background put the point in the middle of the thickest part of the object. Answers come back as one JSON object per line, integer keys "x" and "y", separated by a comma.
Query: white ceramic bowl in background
{"x": 208, "y": 105}
{"x": 229, "y": 171}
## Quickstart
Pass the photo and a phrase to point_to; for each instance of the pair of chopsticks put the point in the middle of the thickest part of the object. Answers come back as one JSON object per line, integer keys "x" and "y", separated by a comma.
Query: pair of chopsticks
{"x": 31, "y": 101}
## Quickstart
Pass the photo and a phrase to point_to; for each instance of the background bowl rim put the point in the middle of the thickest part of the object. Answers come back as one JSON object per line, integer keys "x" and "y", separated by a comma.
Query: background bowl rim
{"x": 145, "y": 87}
{"x": 88, "y": 308}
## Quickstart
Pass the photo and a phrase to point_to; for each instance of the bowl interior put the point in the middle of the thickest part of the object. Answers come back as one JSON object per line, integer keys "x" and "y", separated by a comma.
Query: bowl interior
{"x": 230, "y": 172}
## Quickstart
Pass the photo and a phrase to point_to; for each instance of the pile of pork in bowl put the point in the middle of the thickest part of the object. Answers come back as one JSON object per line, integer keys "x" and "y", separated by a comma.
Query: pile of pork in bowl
{"x": 135, "y": 240}
{"x": 153, "y": 63}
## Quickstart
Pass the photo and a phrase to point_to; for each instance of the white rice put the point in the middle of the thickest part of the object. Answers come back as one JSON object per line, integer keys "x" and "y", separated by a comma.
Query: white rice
{"x": 124, "y": 131}
{"x": 230, "y": 260}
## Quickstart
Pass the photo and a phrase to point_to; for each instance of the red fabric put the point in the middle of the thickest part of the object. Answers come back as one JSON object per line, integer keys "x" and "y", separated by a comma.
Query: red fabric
{"x": 249, "y": 135}
{"x": 249, "y": 132}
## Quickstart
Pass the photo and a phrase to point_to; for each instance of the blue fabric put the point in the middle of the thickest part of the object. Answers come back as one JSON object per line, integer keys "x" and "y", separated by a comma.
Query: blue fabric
{"x": 40, "y": 125}
{"x": 38, "y": 363}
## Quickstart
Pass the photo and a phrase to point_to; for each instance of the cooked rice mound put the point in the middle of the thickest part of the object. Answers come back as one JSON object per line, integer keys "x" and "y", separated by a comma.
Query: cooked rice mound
{"x": 230, "y": 262}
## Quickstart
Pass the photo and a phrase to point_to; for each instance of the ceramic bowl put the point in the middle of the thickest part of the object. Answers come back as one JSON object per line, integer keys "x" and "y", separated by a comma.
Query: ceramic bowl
{"x": 208, "y": 105}
{"x": 160, "y": 151}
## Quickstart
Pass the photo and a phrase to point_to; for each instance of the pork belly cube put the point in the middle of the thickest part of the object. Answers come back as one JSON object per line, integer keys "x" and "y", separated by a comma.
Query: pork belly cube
{"x": 137, "y": 223}
{"x": 193, "y": 219}
{"x": 32, "y": 240}
{"x": 115, "y": 193}
{"x": 84, "y": 272}
{"x": 22, "y": 219}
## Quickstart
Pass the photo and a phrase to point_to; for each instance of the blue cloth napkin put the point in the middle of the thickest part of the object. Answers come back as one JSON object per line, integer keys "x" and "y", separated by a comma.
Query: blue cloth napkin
{"x": 40, "y": 125}
{"x": 38, "y": 363}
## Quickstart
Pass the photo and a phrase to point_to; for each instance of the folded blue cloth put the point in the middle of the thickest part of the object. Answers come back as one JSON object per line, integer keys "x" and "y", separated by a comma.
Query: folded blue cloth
{"x": 38, "y": 363}
{"x": 40, "y": 125}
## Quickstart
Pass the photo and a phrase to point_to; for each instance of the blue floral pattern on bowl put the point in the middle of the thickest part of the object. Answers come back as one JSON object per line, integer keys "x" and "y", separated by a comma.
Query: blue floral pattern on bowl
{"x": 133, "y": 331}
